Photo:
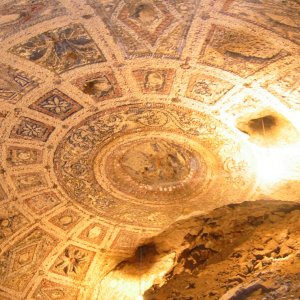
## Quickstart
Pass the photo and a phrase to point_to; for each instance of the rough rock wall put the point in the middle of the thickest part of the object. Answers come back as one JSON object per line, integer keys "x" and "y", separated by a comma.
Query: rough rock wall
{"x": 244, "y": 251}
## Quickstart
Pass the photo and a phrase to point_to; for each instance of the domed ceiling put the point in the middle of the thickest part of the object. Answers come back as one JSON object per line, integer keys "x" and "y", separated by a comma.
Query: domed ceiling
{"x": 119, "y": 117}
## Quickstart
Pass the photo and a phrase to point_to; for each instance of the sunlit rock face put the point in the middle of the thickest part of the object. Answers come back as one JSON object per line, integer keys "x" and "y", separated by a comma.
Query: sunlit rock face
{"x": 241, "y": 251}
{"x": 247, "y": 251}
{"x": 120, "y": 118}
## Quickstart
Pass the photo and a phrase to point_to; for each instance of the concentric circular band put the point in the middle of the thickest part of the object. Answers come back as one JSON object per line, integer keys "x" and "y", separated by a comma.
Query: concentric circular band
{"x": 139, "y": 161}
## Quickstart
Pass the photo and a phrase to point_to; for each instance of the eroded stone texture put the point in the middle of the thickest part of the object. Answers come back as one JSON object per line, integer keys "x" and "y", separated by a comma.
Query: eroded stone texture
{"x": 246, "y": 251}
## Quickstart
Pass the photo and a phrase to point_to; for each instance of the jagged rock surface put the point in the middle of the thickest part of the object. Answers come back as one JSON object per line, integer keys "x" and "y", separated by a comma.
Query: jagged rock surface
{"x": 243, "y": 251}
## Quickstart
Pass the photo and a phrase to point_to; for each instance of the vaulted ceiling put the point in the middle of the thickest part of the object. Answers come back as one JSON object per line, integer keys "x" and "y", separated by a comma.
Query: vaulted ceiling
{"x": 119, "y": 117}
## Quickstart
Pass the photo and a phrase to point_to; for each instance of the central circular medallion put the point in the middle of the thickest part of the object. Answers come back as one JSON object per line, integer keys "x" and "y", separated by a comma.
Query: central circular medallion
{"x": 152, "y": 168}
{"x": 157, "y": 163}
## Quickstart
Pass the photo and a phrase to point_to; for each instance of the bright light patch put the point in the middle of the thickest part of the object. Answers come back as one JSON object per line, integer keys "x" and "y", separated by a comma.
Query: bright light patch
{"x": 277, "y": 164}
{"x": 271, "y": 168}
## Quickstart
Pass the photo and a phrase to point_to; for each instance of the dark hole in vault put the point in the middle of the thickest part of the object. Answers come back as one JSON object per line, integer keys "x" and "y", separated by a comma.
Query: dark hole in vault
{"x": 268, "y": 128}
{"x": 145, "y": 251}
{"x": 263, "y": 125}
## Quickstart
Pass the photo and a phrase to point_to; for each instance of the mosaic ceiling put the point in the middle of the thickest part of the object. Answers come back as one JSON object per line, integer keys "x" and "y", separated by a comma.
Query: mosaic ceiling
{"x": 119, "y": 117}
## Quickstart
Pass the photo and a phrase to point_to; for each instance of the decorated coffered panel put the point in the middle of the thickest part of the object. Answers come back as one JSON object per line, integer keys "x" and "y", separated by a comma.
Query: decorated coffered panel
{"x": 56, "y": 104}
{"x": 31, "y": 129}
{"x": 22, "y": 260}
{"x": 12, "y": 221}
{"x": 238, "y": 51}
{"x": 73, "y": 262}
{"x": 14, "y": 84}
{"x": 20, "y": 14}
{"x": 61, "y": 49}
{"x": 99, "y": 85}
{"x": 42, "y": 203}
{"x": 158, "y": 81}
{"x": 23, "y": 156}
{"x": 55, "y": 290}
{"x": 118, "y": 118}
{"x": 206, "y": 88}
{"x": 143, "y": 28}
{"x": 96, "y": 234}
{"x": 281, "y": 17}
{"x": 285, "y": 85}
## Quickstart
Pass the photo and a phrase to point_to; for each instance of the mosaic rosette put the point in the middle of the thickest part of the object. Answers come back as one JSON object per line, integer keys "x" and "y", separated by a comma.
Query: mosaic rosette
{"x": 147, "y": 158}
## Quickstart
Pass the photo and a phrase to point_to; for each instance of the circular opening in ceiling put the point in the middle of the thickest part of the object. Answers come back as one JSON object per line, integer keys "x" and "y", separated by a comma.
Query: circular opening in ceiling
{"x": 263, "y": 125}
{"x": 268, "y": 128}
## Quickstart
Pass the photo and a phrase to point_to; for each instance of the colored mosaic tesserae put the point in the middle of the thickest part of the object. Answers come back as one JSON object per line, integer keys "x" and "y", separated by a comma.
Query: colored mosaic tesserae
{"x": 124, "y": 121}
